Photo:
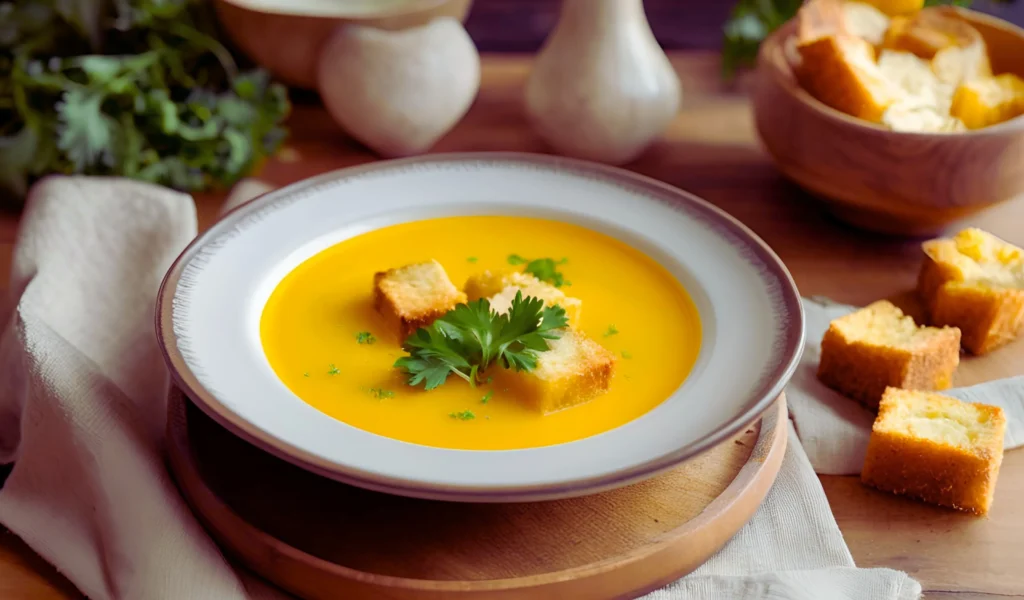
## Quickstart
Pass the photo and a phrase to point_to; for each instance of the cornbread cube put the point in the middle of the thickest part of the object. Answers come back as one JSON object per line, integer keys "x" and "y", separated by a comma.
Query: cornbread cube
{"x": 574, "y": 370}
{"x": 840, "y": 71}
{"x": 896, "y": 7}
{"x": 414, "y": 296}
{"x": 501, "y": 289}
{"x": 983, "y": 102}
{"x": 878, "y": 346}
{"x": 974, "y": 281}
{"x": 936, "y": 449}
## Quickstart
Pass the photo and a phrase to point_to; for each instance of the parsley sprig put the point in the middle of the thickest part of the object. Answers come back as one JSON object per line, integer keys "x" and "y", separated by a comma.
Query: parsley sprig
{"x": 472, "y": 337}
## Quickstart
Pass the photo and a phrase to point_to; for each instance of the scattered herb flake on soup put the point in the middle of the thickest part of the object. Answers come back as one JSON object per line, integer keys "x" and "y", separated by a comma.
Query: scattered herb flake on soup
{"x": 306, "y": 374}
{"x": 544, "y": 269}
{"x": 471, "y": 259}
{"x": 471, "y": 337}
{"x": 462, "y": 415}
{"x": 381, "y": 393}
{"x": 626, "y": 355}
{"x": 486, "y": 397}
{"x": 610, "y": 331}
{"x": 333, "y": 370}
{"x": 365, "y": 337}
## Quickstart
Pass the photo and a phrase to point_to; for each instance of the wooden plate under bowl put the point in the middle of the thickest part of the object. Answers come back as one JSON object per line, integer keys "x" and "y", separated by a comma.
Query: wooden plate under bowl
{"x": 320, "y": 539}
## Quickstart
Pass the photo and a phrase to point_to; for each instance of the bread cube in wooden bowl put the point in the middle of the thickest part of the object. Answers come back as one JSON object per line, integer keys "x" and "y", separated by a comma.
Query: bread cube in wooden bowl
{"x": 871, "y": 176}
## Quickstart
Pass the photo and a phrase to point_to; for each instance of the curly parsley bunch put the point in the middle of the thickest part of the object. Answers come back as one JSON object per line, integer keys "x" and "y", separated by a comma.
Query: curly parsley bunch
{"x": 133, "y": 88}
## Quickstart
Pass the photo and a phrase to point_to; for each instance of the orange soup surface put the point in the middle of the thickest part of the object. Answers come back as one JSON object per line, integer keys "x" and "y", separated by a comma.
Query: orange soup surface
{"x": 324, "y": 340}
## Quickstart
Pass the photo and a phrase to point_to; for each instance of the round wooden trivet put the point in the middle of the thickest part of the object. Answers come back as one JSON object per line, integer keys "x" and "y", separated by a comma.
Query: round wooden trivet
{"x": 322, "y": 539}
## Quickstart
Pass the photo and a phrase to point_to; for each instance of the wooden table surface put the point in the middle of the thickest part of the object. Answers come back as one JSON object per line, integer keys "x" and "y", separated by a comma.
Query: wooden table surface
{"x": 712, "y": 150}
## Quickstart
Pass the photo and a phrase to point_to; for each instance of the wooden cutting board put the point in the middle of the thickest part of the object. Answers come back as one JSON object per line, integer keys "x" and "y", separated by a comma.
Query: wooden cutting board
{"x": 322, "y": 539}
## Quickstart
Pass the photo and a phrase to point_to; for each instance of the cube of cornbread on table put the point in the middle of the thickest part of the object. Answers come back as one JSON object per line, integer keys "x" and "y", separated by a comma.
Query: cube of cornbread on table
{"x": 574, "y": 370}
{"x": 878, "y": 346}
{"x": 414, "y": 296}
{"x": 936, "y": 449}
{"x": 501, "y": 288}
{"x": 974, "y": 281}
{"x": 987, "y": 101}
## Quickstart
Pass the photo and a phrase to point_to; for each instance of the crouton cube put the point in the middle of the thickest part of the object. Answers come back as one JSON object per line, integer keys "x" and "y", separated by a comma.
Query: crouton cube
{"x": 878, "y": 346}
{"x": 936, "y": 449}
{"x": 841, "y": 72}
{"x": 896, "y": 7}
{"x": 983, "y": 102}
{"x": 574, "y": 370}
{"x": 501, "y": 289}
{"x": 974, "y": 281}
{"x": 924, "y": 102}
{"x": 414, "y": 296}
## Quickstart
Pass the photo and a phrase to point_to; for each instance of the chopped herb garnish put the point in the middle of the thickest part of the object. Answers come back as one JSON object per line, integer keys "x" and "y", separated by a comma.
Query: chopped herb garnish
{"x": 306, "y": 374}
{"x": 472, "y": 337}
{"x": 626, "y": 355}
{"x": 486, "y": 397}
{"x": 381, "y": 393}
{"x": 610, "y": 331}
{"x": 462, "y": 415}
{"x": 333, "y": 370}
{"x": 489, "y": 379}
{"x": 365, "y": 337}
{"x": 471, "y": 259}
{"x": 545, "y": 269}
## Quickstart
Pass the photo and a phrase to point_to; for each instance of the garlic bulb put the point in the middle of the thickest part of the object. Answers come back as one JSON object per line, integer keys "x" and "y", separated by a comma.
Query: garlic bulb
{"x": 601, "y": 87}
{"x": 398, "y": 92}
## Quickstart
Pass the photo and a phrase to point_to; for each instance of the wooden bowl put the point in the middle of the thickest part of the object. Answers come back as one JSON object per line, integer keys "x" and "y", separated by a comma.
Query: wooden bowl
{"x": 285, "y": 36}
{"x": 910, "y": 184}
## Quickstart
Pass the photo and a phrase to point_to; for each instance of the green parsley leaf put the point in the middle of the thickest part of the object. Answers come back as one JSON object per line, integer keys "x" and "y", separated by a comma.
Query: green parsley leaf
{"x": 515, "y": 259}
{"x": 487, "y": 397}
{"x": 544, "y": 269}
{"x": 471, "y": 337}
{"x": 333, "y": 370}
{"x": 365, "y": 337}
{"x": 610, "y": 331}
{"x": 462, "y": 415}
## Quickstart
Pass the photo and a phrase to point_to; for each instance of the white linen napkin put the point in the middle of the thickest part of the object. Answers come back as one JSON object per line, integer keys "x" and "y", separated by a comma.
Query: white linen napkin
{"x": 834, "y": 430}
{"x": 82, "y": 391}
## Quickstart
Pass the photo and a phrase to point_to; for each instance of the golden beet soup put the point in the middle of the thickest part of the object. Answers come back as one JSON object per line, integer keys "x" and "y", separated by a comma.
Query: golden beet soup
{"x": 326, "y": 342}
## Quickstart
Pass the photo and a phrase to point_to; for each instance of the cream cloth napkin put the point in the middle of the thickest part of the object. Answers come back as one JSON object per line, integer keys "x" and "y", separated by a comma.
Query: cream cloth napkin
{"x": 834, "y": 430}
{"x": 82, "y": 413}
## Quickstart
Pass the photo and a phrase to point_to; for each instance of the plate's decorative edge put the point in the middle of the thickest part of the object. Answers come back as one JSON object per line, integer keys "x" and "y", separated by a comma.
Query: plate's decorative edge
{"x": 785, "y": 335}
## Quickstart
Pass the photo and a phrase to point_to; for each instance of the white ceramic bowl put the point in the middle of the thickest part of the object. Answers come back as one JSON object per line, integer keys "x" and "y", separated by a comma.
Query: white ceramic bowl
{"x": 211, "y": 300}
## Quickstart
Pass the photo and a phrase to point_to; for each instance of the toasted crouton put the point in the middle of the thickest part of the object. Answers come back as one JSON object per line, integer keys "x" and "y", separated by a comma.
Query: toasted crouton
{"x": 896, "y": 7}
{"x": 936, "y": 449}
{"x": 414, "y": 296}
{"x": 878, "y": 346}
{"x": 840, "y": 71}
{"x": 501, "y": 289}
{"x": 974, "y": 281}
{"x": 929, "y": 31}
{"x": 924, "y": 103}
{"x": 574, "y": 370}
{"x": 987, "y": 101}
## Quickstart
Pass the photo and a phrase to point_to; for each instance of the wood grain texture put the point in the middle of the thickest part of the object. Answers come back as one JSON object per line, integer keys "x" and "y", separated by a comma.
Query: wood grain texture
{"x": 322, "y": 539}
{"x": 712, "y": 150}
{"x": 881, "y": 180}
